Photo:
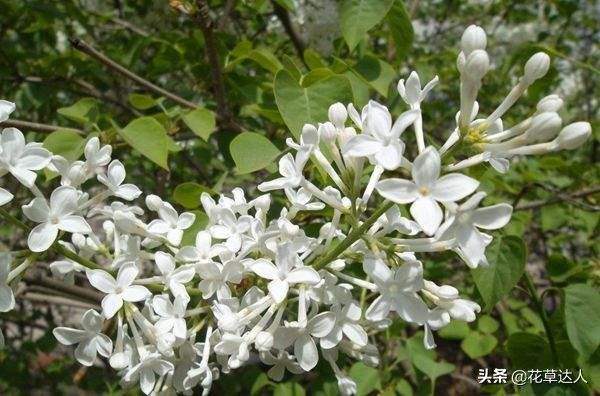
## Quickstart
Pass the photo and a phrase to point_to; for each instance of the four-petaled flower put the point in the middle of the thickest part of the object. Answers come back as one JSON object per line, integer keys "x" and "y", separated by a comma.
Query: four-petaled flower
{"x": 427, "y": 189}
{"x": 20, "y": 159}
{"x": 59, "y": 215}
{"x": 113, "y": 179}
{"x": 119, "y": 290}
{"x": 90, "y": 340}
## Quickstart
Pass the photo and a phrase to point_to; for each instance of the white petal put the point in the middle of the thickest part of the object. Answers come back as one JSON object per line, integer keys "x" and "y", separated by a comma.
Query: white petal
{"x": 104, "y": 345}
{"x": 7, "y": 298}
{"x": 355, "y": 333}
{"x": 304, "y": 275}
{"x": 24, "y": 176}
{"x": 147, "y": 380}
{"x": 92, "y": 321}
{"x": 265, "y": 269}
{"x": 5, "y": 196}
{"x": 278, "y": 289}
{"x": 362, "y": 146}
{"x": 37, "y": 210}
{"x": 86, "y": 351}
{"x": 128, "y": 192}
{"x": 74, "y": 224}
{"x": 185, "y": 221}
{"x": 404, "y": 121}
{"x": 111, "y": 303}
{"x": 321, "y": 324}
{"x": 410, "y": 308}
{"x": 162, "y": 305}
{"x": 426, "y": 167}
{"x": 68, "y": 336}
{"x": 101, "y": 280}
{"x": 378, "y": 309}
{"x": 116, "y": 172}
{"x": 332, "y": 339}
{"x": 390, "y": 156}
{"x": 42, "y": 237}
{"x": 452, "y": 187}
{"x": 63, "y": 201}
{"x": 34, "y": 158}
{"x": 306, "y": 352}
{"x": 398, "y": 190}
{"x": 492, "y": 217}
{"x": 127, "y": 274}
{"x": 427, "y": 213}
{"x": 164, "y": 262}
{"x": 135, "y": 293}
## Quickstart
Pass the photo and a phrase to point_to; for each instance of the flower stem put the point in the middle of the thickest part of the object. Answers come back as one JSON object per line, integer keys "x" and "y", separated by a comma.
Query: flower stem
{"x": 540, "y": 308}
{"x": 352, "y": 237}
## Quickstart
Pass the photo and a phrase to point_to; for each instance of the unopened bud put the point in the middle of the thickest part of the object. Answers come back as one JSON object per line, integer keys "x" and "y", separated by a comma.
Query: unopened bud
{"x": 477, "y": 65}
{"x": 473, "y": 39}
{"x": 549, "y": 103}
{"x": 264, "y": 341}
{"x": 544, "y": 127}
{"x": 153, "y": 202}
{"x": 573, "y": 135}
{"x": 338, "y": 114}
{"x": 327, "y": 132}
{"x": 536, "y": 67}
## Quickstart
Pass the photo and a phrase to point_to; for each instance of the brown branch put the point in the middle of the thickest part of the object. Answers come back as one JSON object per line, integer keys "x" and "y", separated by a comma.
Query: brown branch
{"x": 57, "y": 300}
{"x": 218, "y": 85}
{"x": 284, "y": 18}
{"x": 560, "y": 198}
{"x": 35, "y": 126}
{"x": 78, "y": 291}
{"x": 84, "y": 47}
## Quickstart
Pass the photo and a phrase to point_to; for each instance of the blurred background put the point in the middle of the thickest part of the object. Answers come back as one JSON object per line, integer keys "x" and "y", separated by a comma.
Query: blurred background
{"x": 57, "y": 62}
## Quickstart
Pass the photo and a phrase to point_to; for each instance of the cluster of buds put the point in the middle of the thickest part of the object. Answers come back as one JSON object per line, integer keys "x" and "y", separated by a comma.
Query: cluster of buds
{"x": 256, "y": 282}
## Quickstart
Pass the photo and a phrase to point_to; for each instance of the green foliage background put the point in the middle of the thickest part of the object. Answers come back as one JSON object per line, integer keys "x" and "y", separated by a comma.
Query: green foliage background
{"x": 272, "y": 85}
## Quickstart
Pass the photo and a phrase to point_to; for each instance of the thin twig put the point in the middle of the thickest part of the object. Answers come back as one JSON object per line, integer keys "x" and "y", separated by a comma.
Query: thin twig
{"x": 284, "y": 18}
{"x": 35, "y": 126}
{"x": 56, "y": 300}
{"x": 218, "y": 85}
{"x": 560, "y": 198}
{"x": 84, "y": 47}
{"x": 78, "y": 291}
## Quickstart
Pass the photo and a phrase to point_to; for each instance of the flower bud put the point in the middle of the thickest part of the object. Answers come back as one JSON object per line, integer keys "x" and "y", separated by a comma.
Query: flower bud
{"x": 543, "y": 127}
{"x": 549, "y": 103}
{"x": 338, "y": 114}
{"x": 460, "y": 62}
{"x": 153, "y": 202}
{"x": 263, "y": 341}
{"x": 473, "y": 39}
{"x": 328, "y": 132}
{"x": 573, "y": 135}
{"x": 477, "y": 65}
{"x": 536, "y": 67}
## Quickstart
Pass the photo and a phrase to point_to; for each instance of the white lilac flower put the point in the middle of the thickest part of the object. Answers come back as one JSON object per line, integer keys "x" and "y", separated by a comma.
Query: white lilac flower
{"x": 21, "y": 159}
{"x": 231, "y": 228}
{"x": 113, "y": 179}
{"x": 380, "y": 140}
{"x": 300, "y": 335}
{"x": 59, "y": 215}
{"x": 90, "y": 340}
{"x": 202, "y": 252}
{"x": 286, "y": 271}
{"x": 448, "y": 305}
{"x": 151, "y": 364}
{"x": 7, "y": 298}
{"x": 215, "y": 277}
{"x": 398, "y": 290}
{"x": 96, "y": 157}
{"x": 427, "y": 189}
{"x": 119, "y": 290}
{"x": 291, "y": 172}
{"x": 463, "y": 224}
{"x": 281, "y": 362}
{"x": 174, "y": 278}
{"x": 346, "y": 323}
{"x": 172, "y": 315}
{"x": 171, "y": 224}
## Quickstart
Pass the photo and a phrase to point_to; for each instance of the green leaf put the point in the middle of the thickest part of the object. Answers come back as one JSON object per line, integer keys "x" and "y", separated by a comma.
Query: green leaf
{"x": 455, "y": 330}
{"x": 313, "y": 59}
{"x": 376, "y": 73}
{"x": 366, "y": 378}
{"x": 149, "y": 137}
{"x": 357, "y": 17}
{"x": 201, "y": 121}
{"x": 528, "y": 351}
{"x": 582, "y": 308}
{"x": 65, "y": 143}
{"x": 251, "y": 151}
{"x": 288, "y": 389}
{"x": 507, "y": 257}
{"x": 424, "y": 360}
{"x": 487, "y": 324}
{"x": 477, "y": 344}
{"x": 83, "y": 111}
{"x": 141, "y": 102}
{"x": 259, "y": 383}
{"x": 188, "y": 194}
{"x": 189, "y": 235}
{"x": 401, "y": 28}
{"x": 299, "y": 105}
{"x": 315, "y": 75}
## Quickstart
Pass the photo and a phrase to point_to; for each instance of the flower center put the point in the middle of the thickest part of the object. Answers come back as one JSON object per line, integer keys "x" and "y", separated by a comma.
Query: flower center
{"x": 54, "y": 220}
{"x": 424, "y": 191}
